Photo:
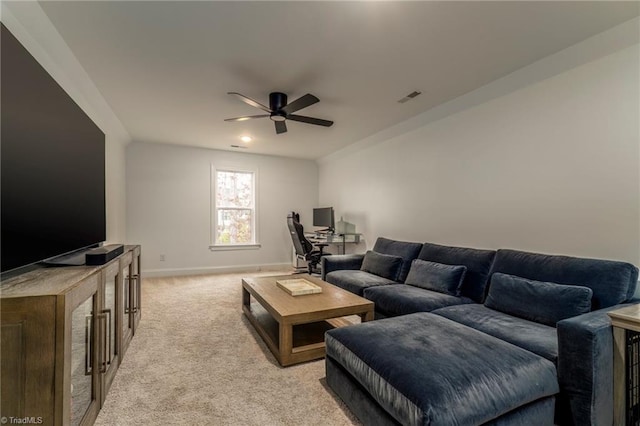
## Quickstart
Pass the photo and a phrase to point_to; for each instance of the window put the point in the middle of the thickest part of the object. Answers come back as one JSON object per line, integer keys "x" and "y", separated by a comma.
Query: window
{"x": 234, "y": 212}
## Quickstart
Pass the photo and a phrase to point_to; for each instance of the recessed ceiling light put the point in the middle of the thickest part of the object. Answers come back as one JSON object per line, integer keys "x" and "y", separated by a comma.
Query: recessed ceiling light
{"x": 246, "y": 139}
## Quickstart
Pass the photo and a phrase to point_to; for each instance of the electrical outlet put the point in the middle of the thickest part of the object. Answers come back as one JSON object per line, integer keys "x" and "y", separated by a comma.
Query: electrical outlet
{"x": 162, "y": 258}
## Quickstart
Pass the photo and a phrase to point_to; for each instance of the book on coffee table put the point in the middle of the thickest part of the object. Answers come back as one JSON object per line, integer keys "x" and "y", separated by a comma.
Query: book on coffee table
{"x": 298, "y": 286}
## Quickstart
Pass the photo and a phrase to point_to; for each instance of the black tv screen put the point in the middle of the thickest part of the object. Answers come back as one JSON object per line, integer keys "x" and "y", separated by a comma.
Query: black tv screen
{"x": 52, "y": 165}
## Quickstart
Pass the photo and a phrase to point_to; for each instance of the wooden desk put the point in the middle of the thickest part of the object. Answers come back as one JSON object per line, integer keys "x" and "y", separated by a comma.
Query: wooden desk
{"x": 335, "y": 239}
{"x": 626, "y": 365}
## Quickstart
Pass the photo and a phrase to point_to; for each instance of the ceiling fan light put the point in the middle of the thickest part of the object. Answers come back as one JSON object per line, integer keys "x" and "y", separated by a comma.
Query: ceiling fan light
{"x": 280, "y": 111}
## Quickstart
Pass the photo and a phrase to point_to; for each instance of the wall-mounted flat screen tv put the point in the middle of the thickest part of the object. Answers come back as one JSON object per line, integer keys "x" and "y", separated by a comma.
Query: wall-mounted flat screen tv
{"x": 52, "y": 165}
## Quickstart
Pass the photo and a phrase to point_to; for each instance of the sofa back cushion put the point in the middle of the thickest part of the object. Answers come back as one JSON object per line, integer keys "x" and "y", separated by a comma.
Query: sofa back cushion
{"x": 382, "y": 265}
{"x": 612, "y": 282}
{"x": 439, "y": 277}
{"x": 406, "y": 250}
{"x": 542, "y": 302}
{"x": 478, "y": 263}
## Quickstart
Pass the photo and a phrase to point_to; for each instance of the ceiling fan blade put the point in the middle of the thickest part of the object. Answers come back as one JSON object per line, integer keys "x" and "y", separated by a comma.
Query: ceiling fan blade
{"x": 250, "y": 101}
{"x": 310, "y": 120}
{"x": 281, "y": 127}
{"x": 247, "y": 117}
{"x": 301, "y": 102}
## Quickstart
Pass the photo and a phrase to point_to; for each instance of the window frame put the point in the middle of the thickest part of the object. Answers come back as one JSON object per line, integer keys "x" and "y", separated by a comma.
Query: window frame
{"x": 213, "y": 234}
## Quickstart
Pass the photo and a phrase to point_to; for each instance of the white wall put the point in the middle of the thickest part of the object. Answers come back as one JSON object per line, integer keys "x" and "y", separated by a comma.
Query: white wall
{"x": 30, "y": 25}
{"x": 169, "y": 207}
{"x": 549, "y": 166}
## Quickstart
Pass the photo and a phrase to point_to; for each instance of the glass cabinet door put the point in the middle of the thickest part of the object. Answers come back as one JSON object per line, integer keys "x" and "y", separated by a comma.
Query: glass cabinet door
{"x": 126, "y": 294}
{"x": 125, "y": 308}
{"x": 110, "y": 319}
{"x": 82, "y": 376}
{"x": 136, "y": 289}
{"x": 109, "y": 331}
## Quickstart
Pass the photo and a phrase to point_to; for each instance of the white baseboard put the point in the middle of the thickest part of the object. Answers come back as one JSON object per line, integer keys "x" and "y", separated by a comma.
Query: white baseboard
{"x": 215, "y": 270}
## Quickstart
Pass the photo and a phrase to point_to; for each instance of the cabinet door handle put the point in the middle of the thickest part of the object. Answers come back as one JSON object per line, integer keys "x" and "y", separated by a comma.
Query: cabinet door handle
{"x": 126, "y": 295}
{"x": 103, "y": 332}
{"x": 88, "y": 340}
{"x": 139, "y": 292}
{"x": 135, "y": 278}
{"x": 107, "y": 313}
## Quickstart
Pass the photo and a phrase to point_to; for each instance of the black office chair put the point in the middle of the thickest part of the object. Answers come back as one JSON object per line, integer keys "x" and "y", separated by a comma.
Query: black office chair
{"x": 304, "y": 248}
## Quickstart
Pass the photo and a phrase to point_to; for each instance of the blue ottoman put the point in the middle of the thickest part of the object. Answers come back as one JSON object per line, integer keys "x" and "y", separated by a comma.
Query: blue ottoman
{"x": 423, "y": 369}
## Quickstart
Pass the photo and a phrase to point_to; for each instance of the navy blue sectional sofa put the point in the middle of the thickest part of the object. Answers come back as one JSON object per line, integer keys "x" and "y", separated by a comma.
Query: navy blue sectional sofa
{"x": 474, "y": 337}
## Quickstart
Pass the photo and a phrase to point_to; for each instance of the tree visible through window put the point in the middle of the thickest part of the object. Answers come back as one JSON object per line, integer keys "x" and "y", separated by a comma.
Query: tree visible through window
{"x": 234, "y": 207}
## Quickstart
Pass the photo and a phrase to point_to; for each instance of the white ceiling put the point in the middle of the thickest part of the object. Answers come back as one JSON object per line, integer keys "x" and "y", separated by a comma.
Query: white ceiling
{"x": 165, "y": 67}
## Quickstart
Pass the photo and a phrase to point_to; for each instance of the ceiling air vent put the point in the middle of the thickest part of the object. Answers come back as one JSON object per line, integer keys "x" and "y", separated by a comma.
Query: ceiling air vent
{"x": 238, "y": 146}
{"x": 409, "y": 97}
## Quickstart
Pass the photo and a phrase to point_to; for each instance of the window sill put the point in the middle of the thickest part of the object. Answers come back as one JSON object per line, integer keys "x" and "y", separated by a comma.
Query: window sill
{"x": 228, "y": 247}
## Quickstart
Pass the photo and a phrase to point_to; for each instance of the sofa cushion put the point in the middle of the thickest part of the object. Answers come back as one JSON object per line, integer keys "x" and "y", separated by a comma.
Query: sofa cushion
{"x": 424, "y": 369}
{"x": 478, "y": 263}
{"x": 383, "y": 265}
{"x": 339, "y": 262}
{"x": 538, "y": 338}
{"x": 546, "y": 303}
{"x": 402, "y": 299}
{"x": 355, "y": 281}
{"x": 439, "y": 277}
{"x": 612, "y": 282}
{"x": 406, "y": 250}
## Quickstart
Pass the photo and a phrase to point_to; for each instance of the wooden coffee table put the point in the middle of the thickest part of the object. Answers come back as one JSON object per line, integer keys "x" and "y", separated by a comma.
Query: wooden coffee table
{"x": 293, "y": 326}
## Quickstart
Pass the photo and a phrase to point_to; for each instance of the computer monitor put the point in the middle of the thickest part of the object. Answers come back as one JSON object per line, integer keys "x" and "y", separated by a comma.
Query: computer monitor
{"x": 323, "y": 216}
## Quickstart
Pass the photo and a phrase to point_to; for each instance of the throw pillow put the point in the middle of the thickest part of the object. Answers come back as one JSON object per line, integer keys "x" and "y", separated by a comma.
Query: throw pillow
{"x": 542, "y": 302}
{"x": 438, "y": 277}
{"x": 383, "y": 265}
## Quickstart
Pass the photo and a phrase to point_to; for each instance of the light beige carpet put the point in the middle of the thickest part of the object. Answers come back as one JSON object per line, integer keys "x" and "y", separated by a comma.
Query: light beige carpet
{"x": 196, "y": 360}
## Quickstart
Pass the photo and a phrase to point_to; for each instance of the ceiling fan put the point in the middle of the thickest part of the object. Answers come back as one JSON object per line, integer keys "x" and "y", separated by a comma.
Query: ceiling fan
{"x": 279, "y": 110}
